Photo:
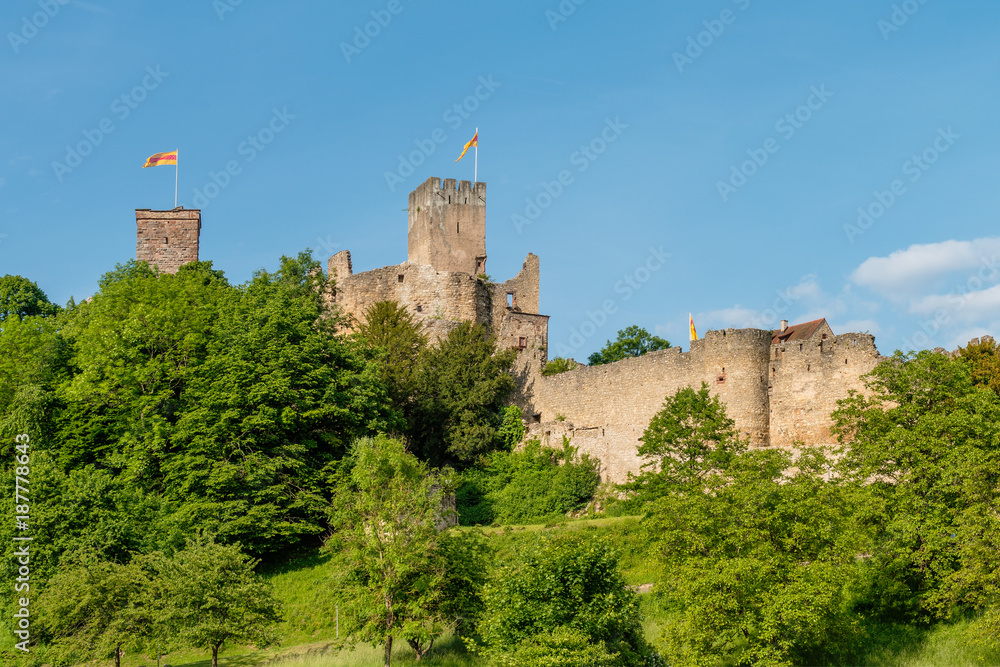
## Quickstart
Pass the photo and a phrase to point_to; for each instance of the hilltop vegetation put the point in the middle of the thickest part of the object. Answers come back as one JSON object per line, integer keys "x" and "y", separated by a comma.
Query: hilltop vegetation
{"x": 214, "y": 465}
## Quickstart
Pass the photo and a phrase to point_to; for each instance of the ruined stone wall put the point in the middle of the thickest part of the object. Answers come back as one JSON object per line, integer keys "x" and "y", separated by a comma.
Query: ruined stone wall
{"x": 610, "y": 405}
{"x": 447, "y": 226}
{"x": 520, "y": 293}
{"x": 439, "y": 299}
{"x": 807, "y": 378}
{"x": 167, "y": 239}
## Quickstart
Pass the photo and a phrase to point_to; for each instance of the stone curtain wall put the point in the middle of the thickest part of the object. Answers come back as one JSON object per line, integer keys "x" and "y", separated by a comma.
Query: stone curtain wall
{"x": 777, "y": 395}
{"x": 807, "y": 380}
{"x": 167, "y": 239}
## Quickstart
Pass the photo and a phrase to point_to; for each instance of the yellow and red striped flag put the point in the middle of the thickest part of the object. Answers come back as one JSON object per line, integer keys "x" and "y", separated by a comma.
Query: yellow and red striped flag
{"x": 694, "y": 334}
{"x": 161, "y": 159}
{"x": 472, "y": 142}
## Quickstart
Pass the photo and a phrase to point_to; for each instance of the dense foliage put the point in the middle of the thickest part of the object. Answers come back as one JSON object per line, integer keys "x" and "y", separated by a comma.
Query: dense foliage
{"x": 633, "y": 341}
{"x": 532, "y": 484}
{"x": 559, "y": 601}
{"x": 462, "y": 387}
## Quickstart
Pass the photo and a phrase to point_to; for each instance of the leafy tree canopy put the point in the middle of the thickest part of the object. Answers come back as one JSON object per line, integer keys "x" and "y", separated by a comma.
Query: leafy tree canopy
{"x": 391, "y": 329}
{"x": 758, "y": 566}
{"x": 633, "y": 341}
{"x": 22, "y": 298}
{"x": 210, "y": 595}
{"x": 463, "y": 385}
{"x": 688, "y": 439}
{"x": 385, "y": 534}
{"x": 924, "y": 456}
{"x": 567, "y": 594}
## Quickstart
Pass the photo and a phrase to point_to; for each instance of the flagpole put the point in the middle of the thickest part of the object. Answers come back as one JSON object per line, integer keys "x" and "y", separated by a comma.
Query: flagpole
{"x": 176, "y": 169}
{"x": 475, "y": 177}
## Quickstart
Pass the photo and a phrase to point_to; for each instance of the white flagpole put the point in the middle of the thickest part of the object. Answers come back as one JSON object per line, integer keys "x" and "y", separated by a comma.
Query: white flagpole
{"x": 475, "y": 178}
{"x": 176, "y": 169}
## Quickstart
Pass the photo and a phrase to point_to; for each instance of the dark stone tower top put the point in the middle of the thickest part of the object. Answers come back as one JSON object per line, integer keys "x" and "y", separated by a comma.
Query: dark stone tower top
{"x": 447, "y": 226}
{"x": 167, "y": 239}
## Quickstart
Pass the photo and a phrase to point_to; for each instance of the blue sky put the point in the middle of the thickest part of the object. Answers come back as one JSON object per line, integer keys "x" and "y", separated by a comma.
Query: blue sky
{"x": 744, "y": 161}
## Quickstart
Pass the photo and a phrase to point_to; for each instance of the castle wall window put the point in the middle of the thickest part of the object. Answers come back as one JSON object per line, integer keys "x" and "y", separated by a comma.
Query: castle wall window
{"x": 522, "y": 343}
{"x": 510, "y": 299}
{"x": 420, "y": 309}
{"x": 399, "y": 278}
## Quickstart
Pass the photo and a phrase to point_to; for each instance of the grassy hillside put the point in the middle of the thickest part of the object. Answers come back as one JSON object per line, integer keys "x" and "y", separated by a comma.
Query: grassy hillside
{"x": 309, "y": 631}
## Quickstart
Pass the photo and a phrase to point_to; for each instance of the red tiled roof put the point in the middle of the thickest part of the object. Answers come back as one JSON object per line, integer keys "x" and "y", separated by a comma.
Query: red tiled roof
{"x": 802, "y": 331}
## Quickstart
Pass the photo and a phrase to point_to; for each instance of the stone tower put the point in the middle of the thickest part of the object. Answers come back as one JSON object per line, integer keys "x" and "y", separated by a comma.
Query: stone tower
{"x": 167, "y": 239}
{"x": 447, "y": 226}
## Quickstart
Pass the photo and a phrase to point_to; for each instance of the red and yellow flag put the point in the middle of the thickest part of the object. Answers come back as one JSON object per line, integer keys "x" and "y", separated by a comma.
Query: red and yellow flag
{"x": 694, "y": 334}
{"x": 161, "y": 159}
{"x": 472, "y": 142}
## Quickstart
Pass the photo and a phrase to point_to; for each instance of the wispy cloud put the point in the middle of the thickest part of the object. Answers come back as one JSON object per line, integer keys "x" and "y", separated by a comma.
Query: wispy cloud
{"x": 911, "y": 271}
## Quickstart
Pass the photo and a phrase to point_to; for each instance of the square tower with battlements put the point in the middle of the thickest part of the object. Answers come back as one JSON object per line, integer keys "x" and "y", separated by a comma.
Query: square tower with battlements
{"x": 447, "y": 226}
{"x": 167, "y": 239}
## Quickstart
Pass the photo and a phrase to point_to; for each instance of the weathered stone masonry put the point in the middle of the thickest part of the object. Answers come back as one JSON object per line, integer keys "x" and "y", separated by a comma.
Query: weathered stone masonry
{"x": 167, "y": 239}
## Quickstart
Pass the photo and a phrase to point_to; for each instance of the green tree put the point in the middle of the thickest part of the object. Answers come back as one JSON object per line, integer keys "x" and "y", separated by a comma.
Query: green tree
{"x": 633, "y": 341}
{"x": 511, "y": 429}
{"x": 923, "y": 454}
{"x": 758, "y": 567}
{"x": 210, "y": 595}
{"x": 555, "y": 594}
{"x": 23, "y": 298}
{"x": 391, "y": 329}
{"x": 232, "y": 404}
{"x": 96, "y": 608}
{"x": 463, "y": 385}
{"x": 984, "y": 362}
{"x": 532, "y": 484}
{"x": 385, "y": 532}
{"x": 688, "y": 439}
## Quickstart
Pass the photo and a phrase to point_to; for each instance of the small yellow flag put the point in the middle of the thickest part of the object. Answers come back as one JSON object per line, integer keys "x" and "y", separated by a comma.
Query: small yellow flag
{"x": 472, "y": 142}
{"x": 694, "y": 334}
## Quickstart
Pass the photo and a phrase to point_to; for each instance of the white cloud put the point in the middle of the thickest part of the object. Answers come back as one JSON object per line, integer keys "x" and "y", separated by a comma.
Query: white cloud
{"x": 910, "y": 271}
{"x": 971, "y": 306}
{"x": 736, "y": 317}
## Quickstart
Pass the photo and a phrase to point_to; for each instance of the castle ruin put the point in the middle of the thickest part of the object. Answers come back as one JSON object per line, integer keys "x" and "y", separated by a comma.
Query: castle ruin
{"x": 780, "y": 386}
